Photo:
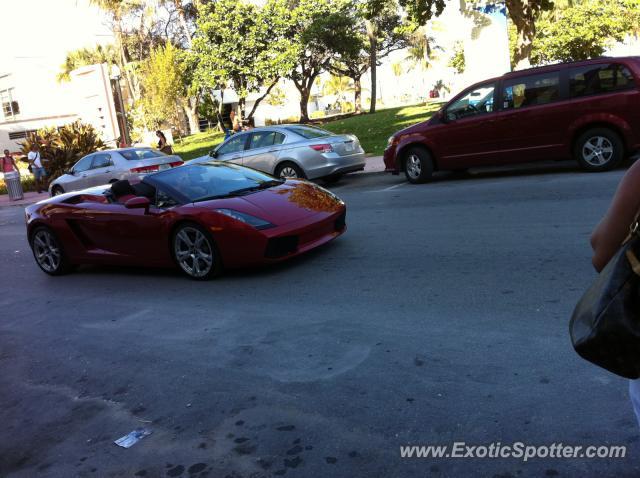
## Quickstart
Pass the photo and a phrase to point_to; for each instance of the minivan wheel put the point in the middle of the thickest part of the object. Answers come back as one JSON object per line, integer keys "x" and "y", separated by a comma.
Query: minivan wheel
{"x": 418, "y": 165}
{"x": 598, "y": 149}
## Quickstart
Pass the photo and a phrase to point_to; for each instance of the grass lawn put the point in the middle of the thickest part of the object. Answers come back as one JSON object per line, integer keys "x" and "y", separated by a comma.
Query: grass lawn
{"x": 197, "y": 145}
{"x": 373, "y": 130}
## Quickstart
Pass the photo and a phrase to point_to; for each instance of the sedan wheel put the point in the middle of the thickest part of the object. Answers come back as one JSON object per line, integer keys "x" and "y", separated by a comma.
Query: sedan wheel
{"x": 47, "y": 252}
{"x": 56, "y": 190}
{"x": 289, "y": 170}
{"x": 195, "y": 252}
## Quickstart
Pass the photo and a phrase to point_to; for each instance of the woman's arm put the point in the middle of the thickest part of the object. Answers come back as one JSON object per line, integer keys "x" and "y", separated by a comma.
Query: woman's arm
{"x": 614, "y": 226}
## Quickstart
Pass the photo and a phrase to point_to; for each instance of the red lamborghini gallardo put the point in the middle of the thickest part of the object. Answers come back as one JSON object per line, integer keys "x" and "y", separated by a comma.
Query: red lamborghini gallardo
{"x": 199, "y": 217}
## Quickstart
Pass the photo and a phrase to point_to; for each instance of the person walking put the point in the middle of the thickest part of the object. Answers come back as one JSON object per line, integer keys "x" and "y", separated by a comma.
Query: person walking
{"x": 609, "y": 235}
{"x": 162, "y": 143}
{"x": 37, "y": 166}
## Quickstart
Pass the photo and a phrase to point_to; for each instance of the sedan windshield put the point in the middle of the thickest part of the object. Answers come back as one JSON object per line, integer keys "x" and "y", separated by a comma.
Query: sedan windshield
{"x": 137, "y": 154}
{"x": 213, "y": 180}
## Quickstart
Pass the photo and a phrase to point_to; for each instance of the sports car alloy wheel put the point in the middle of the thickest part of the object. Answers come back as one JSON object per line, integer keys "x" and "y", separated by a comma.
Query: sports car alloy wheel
{"x": 193, "y": 251}
{"x": 47, "y": 251}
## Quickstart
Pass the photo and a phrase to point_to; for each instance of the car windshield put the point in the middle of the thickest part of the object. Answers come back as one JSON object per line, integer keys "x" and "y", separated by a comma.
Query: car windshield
{"x": 138, "y": 154}
{"x": 308, "y": 132}
{"x": 214, "y": 180}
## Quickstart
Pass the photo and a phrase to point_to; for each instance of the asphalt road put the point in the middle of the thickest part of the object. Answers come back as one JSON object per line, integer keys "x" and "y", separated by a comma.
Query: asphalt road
{"x": 440, "y": 316}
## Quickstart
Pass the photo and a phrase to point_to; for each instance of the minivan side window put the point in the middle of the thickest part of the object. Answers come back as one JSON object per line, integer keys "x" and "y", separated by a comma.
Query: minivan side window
{"x": 531, "y": 90}
{"x": 477, "y": 101}
{"x": 598, "y": 79}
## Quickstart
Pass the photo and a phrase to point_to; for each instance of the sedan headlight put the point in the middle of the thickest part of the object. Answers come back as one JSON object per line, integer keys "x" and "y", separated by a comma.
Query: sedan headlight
{"x": 246, "y": 218}
{"x": 391, "y": 140}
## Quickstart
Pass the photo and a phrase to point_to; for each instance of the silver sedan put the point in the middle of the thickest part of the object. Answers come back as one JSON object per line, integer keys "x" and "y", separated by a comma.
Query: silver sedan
{"x": 105, "y": 167}
{"x": 293, "y": 151}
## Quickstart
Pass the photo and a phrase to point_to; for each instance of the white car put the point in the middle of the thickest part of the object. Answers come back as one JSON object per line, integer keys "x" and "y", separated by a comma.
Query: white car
{"x": 103, "y": 167}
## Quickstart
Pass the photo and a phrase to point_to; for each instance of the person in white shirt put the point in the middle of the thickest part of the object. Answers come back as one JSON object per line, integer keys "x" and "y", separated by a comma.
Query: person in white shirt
{"x": 37, "y": 168}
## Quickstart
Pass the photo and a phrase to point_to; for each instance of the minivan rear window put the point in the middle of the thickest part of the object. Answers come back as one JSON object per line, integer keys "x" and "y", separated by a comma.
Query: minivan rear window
{"x": 531, "y": 90}
{"x": 599, "y": 79}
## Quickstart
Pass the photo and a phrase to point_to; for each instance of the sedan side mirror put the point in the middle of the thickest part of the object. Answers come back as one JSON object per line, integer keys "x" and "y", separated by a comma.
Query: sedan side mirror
{"x": 138, "y": 203}
{"x": 442, "y": 116}
{"x": 213, "y": 154}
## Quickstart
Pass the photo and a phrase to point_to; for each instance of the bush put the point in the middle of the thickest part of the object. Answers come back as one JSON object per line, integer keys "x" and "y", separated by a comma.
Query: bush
{"x": 317, "y": 114}
{"x": 62, "y": 148}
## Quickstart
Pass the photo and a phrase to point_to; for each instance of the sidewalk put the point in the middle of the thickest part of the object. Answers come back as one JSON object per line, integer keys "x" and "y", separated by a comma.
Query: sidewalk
{"x": 29, "y": 198}
{"x": 374, "y": 164}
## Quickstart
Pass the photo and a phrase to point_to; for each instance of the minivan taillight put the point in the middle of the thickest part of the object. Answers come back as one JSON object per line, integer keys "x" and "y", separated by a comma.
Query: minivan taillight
{"x": 322, "y": 148}
{"x": 146, "y": 169}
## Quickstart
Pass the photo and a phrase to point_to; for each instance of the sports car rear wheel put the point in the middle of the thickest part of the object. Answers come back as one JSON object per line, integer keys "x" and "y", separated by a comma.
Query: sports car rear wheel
{"x": 48, "y": 252}
{"x": 195, "y": 252}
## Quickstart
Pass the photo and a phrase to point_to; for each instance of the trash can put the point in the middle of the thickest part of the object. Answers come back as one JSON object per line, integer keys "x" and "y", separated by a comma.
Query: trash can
{"x": 14, "y": 186}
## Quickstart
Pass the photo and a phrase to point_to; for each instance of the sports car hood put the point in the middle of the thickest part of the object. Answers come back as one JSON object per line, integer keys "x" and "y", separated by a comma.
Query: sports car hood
{"x": 289, "y": 202}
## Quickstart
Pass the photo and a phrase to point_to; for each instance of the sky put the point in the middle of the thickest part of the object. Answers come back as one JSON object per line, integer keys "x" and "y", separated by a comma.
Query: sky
{"x": 40, "y": 32}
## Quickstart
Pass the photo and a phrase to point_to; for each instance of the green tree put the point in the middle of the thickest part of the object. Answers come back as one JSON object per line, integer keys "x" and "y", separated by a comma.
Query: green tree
{"x": 242, "y": 45}
{"x": 319, "y": 29}
{"x": 386, "y": 32}
{"x": 87, "y": 56}
{"x": 584, "y": 31}
{"x": 162, "y": 81}
{"x": 457, "y": 61}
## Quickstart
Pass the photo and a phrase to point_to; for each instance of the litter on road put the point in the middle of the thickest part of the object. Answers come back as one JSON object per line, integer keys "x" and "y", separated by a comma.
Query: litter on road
{"x": 132, "y": 438}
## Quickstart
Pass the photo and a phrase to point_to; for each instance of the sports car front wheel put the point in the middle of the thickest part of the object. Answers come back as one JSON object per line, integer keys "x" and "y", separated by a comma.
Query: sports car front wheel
{"x": 48, "y": 252}
{"x": 195, "y": 252}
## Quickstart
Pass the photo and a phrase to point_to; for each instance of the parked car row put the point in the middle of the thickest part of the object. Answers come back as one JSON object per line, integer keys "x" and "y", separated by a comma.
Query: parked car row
{"x": 291, "y": 151}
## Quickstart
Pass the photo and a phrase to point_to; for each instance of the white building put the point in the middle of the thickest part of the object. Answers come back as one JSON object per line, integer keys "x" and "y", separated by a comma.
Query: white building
{"x": 32, "y": 98}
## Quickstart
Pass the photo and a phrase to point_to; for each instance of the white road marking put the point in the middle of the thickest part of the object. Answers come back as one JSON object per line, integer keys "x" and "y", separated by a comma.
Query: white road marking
{"x": 389, "y": 188}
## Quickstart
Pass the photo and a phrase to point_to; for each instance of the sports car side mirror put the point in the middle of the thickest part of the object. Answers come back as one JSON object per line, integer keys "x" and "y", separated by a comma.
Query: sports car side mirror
{"x": 138, "y": 203}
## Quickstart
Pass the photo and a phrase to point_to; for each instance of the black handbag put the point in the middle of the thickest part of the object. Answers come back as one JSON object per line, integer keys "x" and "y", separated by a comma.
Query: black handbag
{"x": 605, "y": 326}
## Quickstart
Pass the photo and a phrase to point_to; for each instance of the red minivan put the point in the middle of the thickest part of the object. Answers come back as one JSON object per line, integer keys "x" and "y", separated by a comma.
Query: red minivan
{"x": 589, "y": 110}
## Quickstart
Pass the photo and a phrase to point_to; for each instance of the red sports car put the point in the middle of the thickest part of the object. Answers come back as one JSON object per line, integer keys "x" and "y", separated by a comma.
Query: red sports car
{"x": 200, "y": 217}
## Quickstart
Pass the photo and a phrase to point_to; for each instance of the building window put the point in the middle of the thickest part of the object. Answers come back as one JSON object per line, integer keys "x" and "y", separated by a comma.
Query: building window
{"x": 10, "y": 107}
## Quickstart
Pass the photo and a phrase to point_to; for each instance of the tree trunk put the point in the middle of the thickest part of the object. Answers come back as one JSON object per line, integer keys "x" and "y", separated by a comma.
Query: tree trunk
{"x": 523, "y": 14}
{"x": 190, "y": 108}
{"x": 373, "y": 60}
{"x": 258, "y": 100}
{"x": 357, "y": 95}
{"x": 183, "y": 22}
{"x": 524, "y": 45}
{"x": 304, "y": 100}
{"x": 241, "y": 107}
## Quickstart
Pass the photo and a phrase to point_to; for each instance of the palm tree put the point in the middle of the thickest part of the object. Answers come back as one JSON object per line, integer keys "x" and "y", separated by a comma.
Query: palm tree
{"x": 338, "y": 86}
{"x": 87, "y": 56}
{"x": 422, "y": 48}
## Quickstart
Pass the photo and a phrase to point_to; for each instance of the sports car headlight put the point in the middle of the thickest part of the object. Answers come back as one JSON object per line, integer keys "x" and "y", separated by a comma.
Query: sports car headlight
{"x": 246, "y": 218}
